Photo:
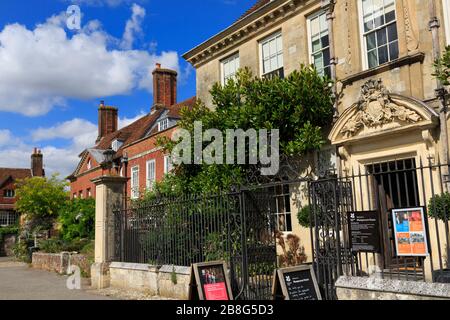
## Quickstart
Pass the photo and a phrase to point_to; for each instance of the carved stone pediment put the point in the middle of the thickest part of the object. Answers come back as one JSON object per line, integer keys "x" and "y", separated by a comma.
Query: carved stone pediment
{"x": 378, "y": 111}
{"x": 376, "y": 108}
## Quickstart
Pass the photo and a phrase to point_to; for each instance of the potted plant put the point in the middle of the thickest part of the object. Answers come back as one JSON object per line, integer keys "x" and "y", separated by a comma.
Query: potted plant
{"x": 439, "y": 208}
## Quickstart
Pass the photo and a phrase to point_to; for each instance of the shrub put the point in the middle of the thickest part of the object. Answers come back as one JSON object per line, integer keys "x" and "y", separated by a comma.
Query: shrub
{"x": 77, "y": 219}
{"x": 293, "y": 253}
{"x": 57, "y": 245}
{"x": 439, "y": 207}
{"x": 304, "y": 217}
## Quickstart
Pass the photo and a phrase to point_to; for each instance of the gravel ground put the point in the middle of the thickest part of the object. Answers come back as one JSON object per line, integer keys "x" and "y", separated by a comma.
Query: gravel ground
{"x": 126, "y": 294}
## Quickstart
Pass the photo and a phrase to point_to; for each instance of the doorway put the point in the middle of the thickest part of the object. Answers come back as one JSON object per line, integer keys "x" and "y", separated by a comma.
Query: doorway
{"x": 395, "y": 185}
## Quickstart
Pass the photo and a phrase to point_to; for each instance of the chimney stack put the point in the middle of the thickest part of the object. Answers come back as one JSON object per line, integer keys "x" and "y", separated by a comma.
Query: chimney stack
{"x": 37, "y": 163}
{"x": 164, "y": 86}
{"x": 107, "y": 120}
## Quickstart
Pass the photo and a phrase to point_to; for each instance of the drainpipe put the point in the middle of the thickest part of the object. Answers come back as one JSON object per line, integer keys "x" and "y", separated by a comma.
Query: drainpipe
{"x": 440, "y": 90}
{"x": 333, "y": 60}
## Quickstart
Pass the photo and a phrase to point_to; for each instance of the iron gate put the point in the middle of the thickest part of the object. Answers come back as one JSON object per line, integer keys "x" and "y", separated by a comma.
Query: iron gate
{"x": 330, "y": 199}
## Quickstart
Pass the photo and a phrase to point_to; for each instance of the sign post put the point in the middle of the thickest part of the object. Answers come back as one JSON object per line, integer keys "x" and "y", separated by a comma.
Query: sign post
{"x": 209, "y": 281}
{"x": 364, "y": 229}
{"x": 296, "y": 283}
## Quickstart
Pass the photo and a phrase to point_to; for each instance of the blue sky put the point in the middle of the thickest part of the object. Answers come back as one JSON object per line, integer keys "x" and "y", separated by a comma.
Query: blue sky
{"x": 52, "y": 78}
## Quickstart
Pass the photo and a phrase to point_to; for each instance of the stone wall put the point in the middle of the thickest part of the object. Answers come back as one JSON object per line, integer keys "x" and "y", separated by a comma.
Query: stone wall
{"x": 167, "y": 281}
{"x": 60, "y": 262}
{"x": 7, "y": 245}
{"x": 360, "y": 288}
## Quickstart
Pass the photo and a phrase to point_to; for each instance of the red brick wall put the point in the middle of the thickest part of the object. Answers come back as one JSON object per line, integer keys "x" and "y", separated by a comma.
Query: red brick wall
{"x": 83, "y": 182}
{"x": 157, "y": 155}
{"x": 9, "y": 202}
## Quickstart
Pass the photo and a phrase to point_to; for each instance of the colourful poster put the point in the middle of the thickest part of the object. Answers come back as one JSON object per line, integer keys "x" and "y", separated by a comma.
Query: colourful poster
{"x": 214, "y": 283}
{"x": 410, "y": 232}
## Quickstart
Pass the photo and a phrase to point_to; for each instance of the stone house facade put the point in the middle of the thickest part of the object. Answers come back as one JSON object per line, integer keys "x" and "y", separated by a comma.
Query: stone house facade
{"x": 380, "y": 55}
{"x": 133, "y": 149}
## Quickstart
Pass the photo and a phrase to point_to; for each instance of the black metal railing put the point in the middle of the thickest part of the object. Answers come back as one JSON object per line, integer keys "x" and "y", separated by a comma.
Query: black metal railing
{"x": 383, "y": 186}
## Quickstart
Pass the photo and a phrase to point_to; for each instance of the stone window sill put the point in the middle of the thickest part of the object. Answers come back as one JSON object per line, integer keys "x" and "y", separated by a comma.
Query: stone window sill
{"x": 406, "y": 60}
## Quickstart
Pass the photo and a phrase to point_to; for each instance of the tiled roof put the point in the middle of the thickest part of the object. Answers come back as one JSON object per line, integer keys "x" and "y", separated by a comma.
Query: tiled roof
{"x": 259, "y": 4}
{"x": 15, "y": 174}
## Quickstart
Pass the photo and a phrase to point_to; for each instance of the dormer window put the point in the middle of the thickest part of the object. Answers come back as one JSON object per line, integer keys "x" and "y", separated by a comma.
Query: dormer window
{"x": 116, "y": 145}
{"x": 9, "y": 194}
{"x": 163, "y": 125}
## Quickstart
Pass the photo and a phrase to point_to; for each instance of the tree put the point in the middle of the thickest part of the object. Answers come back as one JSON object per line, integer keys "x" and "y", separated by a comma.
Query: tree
{"x": 442, "y": 68}
{"x": 77, "y": 219}
{"x": 300, "y": 106}
{"x": 40, "y": 200}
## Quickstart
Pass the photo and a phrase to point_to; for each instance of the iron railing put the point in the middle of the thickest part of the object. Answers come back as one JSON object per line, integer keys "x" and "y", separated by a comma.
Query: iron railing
{"x": 381, "y": 186}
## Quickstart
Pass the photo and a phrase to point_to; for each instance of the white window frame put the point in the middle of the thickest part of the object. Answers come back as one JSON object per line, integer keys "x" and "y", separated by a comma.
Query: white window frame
{"x": 362, "y": 34}
{"x": 150, "y": 175}
{"x": 11, "y": 194}
{"x": 163, "y": 124}
{"x": 261, "y": 56}
{"x": 446, "y": 10}
{"x": 135, "y": 183}
{"x": 89, "y": 164}
{"x": 168, "y": 166}
{"x": 309, "y": 30}
{"x": 224, "y": 62}
{"x": 287, "y": 213}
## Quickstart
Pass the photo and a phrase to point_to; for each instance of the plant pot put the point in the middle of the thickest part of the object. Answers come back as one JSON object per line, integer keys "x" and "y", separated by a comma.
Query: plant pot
{"x": 441, "y": 276}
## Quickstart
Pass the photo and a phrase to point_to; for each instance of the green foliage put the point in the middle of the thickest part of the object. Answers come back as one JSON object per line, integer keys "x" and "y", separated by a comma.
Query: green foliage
{"x": 442, "y": 68}
{"x": 11, "y": 230}
{"x": 77, "y": 219}
{"x": 174, "y": 277}
{"x": 21, "y": 251}
{"x": 40, "y": 200}
{"x": 439, "y": 207}
{"x": 304, "y": 217}
{"x": 57, "y": 245}
{"x": 300, "y": 106}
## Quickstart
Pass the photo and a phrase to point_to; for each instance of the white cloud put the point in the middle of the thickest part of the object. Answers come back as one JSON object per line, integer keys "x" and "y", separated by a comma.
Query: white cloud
{"x": 100, "y": 3}
{"x": 43, "y": 67}
{"x": 133, "y": 27}
{"x": 80, "y": 134}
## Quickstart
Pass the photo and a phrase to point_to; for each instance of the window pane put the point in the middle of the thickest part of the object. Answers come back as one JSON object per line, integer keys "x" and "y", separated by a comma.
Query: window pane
{"x": 273, "y": 47}
{"x": 373, "y": 59}
{"x": 326, "y": 57}
{"x": 392, "y": 32}
{"x": 325, "y": 41}
{"x": 315, "y": 27}
{"x": 381, "y": 37}
{"x": 288, "y": 222}
{"x": 316, "y": 46}
{"x": 383, "y": 55}
{"x": 279, "y": 44}
{"x": 266, "y": 66}
{"x": 265, "y": 49}
{"x": 393, "y": 50}
{"x": 274, "y": 63}
{"x": 280, "y": 61}
{"x": 389, "y": 10}
{"x": 318, "y": 61}
{"x": 371, "y": 41}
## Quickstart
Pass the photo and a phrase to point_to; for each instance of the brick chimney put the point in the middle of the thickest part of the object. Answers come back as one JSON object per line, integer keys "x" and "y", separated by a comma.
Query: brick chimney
{"x": 37, "y": 163}
{"x": 164, "y": 86}
{"x": 107, "y": 120}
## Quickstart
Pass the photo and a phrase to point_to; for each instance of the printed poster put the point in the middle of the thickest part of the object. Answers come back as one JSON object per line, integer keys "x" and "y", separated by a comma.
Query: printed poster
{"x": 214, "y": 283}
{"x": 410, "y": 232}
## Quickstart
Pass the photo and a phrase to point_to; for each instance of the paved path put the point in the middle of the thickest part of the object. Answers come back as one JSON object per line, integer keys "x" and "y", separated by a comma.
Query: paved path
{"x": 20, "y": 282}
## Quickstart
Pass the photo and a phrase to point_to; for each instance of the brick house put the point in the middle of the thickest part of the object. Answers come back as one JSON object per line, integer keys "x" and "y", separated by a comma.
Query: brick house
{"x": 8, "y": 179}
{"x": 135, "y": 153}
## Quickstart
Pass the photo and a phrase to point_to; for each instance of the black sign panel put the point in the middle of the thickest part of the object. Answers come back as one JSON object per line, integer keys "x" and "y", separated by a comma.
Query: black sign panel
{"x": 298, "y": 283}
{"x": 364, "y": 228}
